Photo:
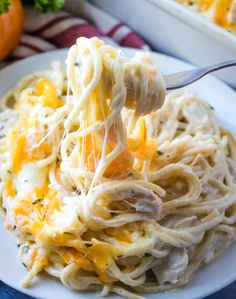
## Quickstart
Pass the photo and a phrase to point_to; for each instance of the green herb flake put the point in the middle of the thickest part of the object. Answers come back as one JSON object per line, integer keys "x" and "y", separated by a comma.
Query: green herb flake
{"x": 87, "y": 245}
{"x": 147, "y": 254}
{"x": 25, "y": 249}
{"x": 36, "y": 201}
{"x": 160, "y": 153}
{"x": 143, "y": 233}
{"x": 24, "y": 265}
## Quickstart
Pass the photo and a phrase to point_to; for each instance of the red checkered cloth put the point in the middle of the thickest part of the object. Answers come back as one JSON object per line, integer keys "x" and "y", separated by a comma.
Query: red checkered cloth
{"x": 49, "y": 31}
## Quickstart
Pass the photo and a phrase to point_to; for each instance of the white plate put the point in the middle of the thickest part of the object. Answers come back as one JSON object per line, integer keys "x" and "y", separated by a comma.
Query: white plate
{"x": 208, "y": 279}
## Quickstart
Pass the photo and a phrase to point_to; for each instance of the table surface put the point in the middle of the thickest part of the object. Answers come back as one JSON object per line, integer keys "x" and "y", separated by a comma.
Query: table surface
{"x": 9, "y": 293}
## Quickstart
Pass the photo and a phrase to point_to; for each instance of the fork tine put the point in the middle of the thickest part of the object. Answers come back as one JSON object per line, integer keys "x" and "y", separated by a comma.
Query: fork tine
{"x": 180, "y": 79}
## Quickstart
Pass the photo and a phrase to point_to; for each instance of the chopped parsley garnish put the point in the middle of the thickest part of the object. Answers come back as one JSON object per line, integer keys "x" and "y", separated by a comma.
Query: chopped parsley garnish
{"x": 36, "y": 201}
{"x": 77, "y": 63}
{"x": 160, "y": 153}
{"x": 88, "y": 245}
{"x": 143, "y": 233}
{"x": 24, "y": 265}
{"x": 25, "y": 249}
{"x": 147, "y": 254}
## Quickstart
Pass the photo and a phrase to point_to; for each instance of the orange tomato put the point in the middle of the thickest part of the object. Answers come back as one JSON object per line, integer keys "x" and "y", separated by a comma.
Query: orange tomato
{"x": 11, "y": 26}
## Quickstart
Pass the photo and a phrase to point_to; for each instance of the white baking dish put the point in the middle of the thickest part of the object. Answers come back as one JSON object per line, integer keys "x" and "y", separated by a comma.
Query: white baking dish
{"x": 174, "y": 29}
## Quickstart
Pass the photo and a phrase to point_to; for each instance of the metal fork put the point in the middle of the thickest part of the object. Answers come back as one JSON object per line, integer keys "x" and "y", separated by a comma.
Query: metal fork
{"x": 181, "y": 79}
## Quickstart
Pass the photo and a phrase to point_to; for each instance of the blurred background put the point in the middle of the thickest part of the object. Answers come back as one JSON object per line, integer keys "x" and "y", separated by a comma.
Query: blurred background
{"x": 199, "y": 31}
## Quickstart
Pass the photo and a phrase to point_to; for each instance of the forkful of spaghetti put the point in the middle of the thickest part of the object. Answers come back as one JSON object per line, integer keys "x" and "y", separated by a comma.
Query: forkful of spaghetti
{"x": 102, "y": 83}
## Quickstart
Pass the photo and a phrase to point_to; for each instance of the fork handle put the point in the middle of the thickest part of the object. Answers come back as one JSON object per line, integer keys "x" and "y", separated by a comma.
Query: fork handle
{"x": 182, "y": 79}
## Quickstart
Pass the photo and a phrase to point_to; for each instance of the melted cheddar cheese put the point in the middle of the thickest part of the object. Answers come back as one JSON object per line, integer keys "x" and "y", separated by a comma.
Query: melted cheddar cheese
{"x": 220, "y": 12}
